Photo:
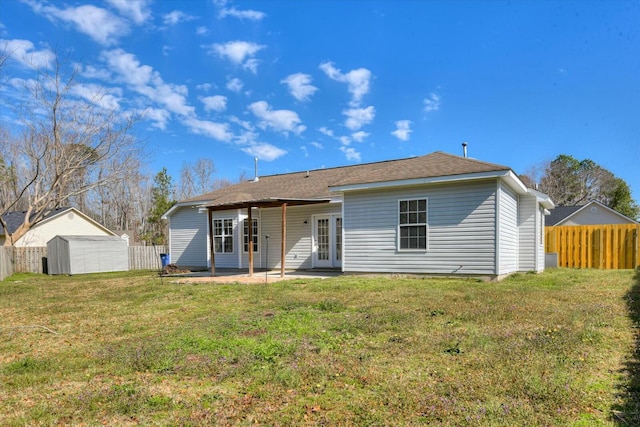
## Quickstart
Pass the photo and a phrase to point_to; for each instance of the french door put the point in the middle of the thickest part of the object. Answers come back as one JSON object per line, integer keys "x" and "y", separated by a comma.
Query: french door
{"x": 327, "y": 241}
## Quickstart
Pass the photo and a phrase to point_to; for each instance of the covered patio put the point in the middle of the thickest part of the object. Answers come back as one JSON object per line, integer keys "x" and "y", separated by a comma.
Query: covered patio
{"x": 247, "y": 202}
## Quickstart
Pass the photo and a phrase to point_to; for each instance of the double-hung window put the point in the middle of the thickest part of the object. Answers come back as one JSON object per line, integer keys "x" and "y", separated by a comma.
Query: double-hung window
{"x": 412, "y": 224}
{"x": 255, "y": 236}
{"x": 223, "y": 235}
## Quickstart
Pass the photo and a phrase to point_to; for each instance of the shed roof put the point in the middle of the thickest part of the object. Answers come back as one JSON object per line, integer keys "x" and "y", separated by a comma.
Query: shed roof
{"x": 83, "y": 238}
{"x": 315, "y": 185}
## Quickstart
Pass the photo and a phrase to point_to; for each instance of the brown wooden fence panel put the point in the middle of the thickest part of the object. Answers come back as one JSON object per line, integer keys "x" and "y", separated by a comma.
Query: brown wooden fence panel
{"x": 6, "y": 262}
{"x": 145, "y": 257}
{"x": 29, "y": 259}
{"x": 595, "y": 246}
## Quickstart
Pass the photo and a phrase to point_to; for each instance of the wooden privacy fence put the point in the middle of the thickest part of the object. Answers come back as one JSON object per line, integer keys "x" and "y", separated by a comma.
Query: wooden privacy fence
{"x": 6, "y": 262}
{"x": 595, "y": 246}
{"x": 32, "y": 260}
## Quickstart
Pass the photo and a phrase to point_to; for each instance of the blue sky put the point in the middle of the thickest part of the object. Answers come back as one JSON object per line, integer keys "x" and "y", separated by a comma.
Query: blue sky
{"x": 312, "y": 84}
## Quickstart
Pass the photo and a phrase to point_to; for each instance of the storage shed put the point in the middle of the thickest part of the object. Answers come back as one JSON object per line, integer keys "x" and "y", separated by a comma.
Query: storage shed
{"x": 87, "y": 254}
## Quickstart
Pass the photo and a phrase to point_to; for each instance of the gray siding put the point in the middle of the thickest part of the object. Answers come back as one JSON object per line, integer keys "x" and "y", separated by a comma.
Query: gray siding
{"x": 527, "y": 224}
{"x": 461, "y": 230}
{"x": 188, "y": 238}
{"x": 299, "y": 234}
{"x": 507, "y": 230}
{"x": 230, "y": 260}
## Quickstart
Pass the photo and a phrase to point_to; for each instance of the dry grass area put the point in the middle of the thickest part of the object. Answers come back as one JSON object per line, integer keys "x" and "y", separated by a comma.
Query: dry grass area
{"x": 131, "y": 349}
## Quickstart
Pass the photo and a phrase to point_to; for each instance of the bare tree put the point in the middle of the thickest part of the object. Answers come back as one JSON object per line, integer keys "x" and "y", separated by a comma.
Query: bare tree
{"x": 196, "y": 178}
{"x": 67, "y": 146}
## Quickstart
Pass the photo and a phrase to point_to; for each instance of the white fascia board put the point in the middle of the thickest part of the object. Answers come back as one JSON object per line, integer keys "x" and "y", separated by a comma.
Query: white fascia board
{"x": 544, "y": 200}
{"x": 430, "y": 180}
{"x": 168, "y": 213}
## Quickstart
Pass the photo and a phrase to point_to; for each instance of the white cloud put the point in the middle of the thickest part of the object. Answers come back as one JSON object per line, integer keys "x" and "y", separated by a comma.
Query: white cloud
{"x": 107, "y": 98}
{"x": 159, "y": 117}
{"x": 101, "y": 25}
{"x": 143, "y": 80}
{"x": 326, "y": 131}
{"x": 317, "y": 145}
{"x": 175, "y": 17}
{"x": 238, "y": 52}
{"x": 300, "y": 86}
{"x": 235, "y": 85}
{"x": 244, "y": 123}
{"x": 358, "y": 117}
{"x": 138, "y": 10}
{"x": 252, "y": 15}
{"x": 24, "y": 52}
{"x": 251, "y": 65}
{"x": 279, "y": 120}
{"x": 91, "y": 72}
{"x": 350, "y": 153}
{"x": 215, "y": 103}
{"x": 202, "y": 31}
{"x": 431, "y": 103}
{"x": 403, "y": 129}
{"x": 359, "y": 136}
{"x": 206, "y": 87}
{"x": 219, "y": 131}
{"x": 344, "y": 140}
{"x": 264, "y": 151}
{"x": 357, "y": 80}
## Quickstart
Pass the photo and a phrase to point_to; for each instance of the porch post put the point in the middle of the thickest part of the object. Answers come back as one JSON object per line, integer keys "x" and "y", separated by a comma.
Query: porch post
{"x": 250, "y": 242}
{"x": 211, "y": 244}
{"x": 283, "y": 249}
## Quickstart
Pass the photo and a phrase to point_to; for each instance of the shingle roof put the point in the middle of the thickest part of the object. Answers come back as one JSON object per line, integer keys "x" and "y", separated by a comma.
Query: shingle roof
{"x": 559, "y": 213}
{"x": 15, "y": 218}
{"x": 315, "y": 184}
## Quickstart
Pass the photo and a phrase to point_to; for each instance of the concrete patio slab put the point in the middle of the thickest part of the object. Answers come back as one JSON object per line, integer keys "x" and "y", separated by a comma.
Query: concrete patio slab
{"x": 235, "y": 276}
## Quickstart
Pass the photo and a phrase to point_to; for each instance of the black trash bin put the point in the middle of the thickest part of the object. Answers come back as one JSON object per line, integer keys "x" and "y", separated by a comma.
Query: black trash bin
{"x": 165, "y": 259}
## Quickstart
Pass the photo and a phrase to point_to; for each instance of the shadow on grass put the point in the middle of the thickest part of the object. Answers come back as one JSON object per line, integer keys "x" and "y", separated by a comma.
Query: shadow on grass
{"x": 627, "y": 413}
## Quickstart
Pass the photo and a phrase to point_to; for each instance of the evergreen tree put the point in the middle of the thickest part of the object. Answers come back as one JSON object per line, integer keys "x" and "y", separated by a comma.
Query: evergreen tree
{"x": 161, "y": 201}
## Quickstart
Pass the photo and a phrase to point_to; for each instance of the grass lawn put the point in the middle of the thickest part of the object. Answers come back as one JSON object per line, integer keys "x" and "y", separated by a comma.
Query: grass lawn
{"x": 128, "y": 349}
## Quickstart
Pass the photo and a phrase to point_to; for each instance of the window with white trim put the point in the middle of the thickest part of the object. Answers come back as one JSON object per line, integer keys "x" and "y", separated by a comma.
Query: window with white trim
{"x": 223, "y": 235}
{"x": 412, "y": 224}
{"x": 245, "y": 235}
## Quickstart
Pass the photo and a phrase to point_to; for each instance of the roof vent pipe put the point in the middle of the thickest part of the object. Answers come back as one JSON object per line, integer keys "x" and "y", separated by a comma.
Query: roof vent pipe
{"x": 255, "y": 169}
{"x": 464, "y": 149}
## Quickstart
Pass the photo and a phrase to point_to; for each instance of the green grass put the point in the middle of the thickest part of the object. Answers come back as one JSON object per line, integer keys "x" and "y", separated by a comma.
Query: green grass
{"x": 551, "y": 349}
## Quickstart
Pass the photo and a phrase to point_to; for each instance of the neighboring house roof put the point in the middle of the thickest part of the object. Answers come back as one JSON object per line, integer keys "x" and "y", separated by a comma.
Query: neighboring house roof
{"x": 13, "y": 219}
{"x": 317, "y": 185}
{"x": 561, "y": 214}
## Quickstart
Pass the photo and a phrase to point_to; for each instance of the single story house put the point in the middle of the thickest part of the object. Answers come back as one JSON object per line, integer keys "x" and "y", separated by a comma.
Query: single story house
{"x": 592, "y": 213}
{"x": 65, "y": 220}
{"x": 433, "y": 214}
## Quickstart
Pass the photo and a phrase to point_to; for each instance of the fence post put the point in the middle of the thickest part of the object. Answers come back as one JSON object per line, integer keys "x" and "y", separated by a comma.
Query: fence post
{"x": 634, "y": 258}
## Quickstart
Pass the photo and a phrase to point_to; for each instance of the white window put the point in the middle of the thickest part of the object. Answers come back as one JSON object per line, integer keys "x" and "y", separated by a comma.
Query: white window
{"x": 412, "y": 224}
{"x": 223, "y": 235}
{"x": 245, "y": 234}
